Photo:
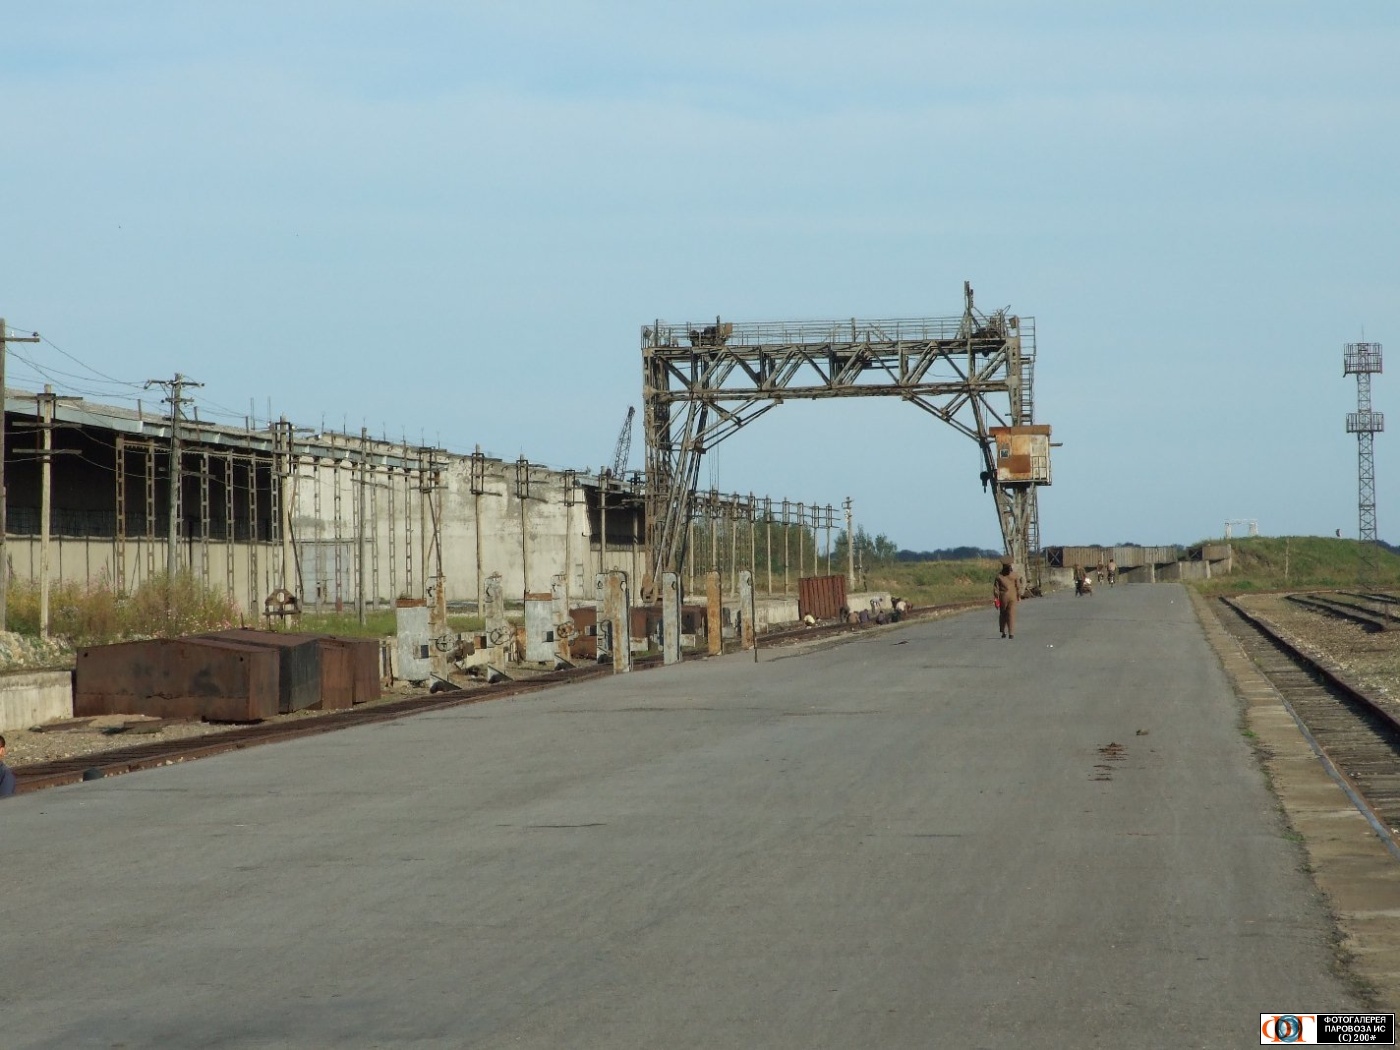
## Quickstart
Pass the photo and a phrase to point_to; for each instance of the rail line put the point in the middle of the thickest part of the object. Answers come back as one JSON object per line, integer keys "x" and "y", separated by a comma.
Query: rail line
{"x": 153, "y": 755}
{"x": 1373, "y": 612}
{"x": 1357, "y": 738}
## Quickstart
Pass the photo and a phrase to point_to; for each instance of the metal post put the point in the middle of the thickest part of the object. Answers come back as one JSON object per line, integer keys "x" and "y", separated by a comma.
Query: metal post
{"x": 850, "y": 547}
{"x": 829, "y": 539}
{"x": 175, "y": 400}
{"x": 284, "y": 481}
{"x": 407, "y": 525}
{"x": 570, "y": 485}
{"x": 801, "y": 541}
{"x": 172, "y": 552}
{"x": 714, "y": 533}
{"x": 522, "y": 492}
{"x": 753, "y": 550}
{"x": 478, "y": 487}
{"x": 253, "y": 535}
{"x": 5, "y": 338}
{"x": 375, "y": 591}
{"x": 46, "y": 402}
{"x": 768, "y": 539}
{"x": 360, "y": 530}
{"x": 602, "y": 519}
{"x": 336, "y": 520}
{"x": 389, "y": 483}
{"x": 787, "y": 557}
{"x": 734, "y": 543}
{"x": 231, "y": 531}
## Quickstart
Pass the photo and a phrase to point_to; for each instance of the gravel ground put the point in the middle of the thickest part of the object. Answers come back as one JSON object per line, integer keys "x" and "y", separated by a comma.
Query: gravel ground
{"x": 70, "y": 739}
{"x": 1369, "y": 660}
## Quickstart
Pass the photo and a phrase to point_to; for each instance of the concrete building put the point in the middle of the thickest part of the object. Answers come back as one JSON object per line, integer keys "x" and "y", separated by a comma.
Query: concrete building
{"x": 330, "y": 517}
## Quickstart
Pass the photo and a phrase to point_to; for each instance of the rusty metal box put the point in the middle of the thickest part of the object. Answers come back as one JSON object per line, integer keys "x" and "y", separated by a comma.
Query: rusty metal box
{"x": 211, "y": 679}
{"x": 822, "y": 597}
{"x": 368, "y": 678}
{"x": 299, "y": 665}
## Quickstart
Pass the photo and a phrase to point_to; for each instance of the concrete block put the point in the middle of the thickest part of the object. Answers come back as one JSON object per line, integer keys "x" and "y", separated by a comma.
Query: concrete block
{"x": 29, "y": 698}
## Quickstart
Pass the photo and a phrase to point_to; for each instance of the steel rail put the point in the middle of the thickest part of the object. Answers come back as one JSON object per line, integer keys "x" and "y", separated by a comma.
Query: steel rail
{"x": 1332, "y": 607}
{"x": 1356, "y": 739}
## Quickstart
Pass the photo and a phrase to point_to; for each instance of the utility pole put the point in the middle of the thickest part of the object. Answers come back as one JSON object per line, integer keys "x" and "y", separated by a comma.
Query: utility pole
{"x": 32, "y": 337}
{"x": 360, "y": 530}
{"x": 850, "y": 548}
{"x": 176, "y": 387}
{"x": 46, "y": 403}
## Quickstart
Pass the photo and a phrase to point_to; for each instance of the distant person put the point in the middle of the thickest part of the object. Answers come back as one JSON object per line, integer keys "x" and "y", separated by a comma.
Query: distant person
{"x": 1006, "y": 592}
{"x": 7, "y": 776}
{"x": 1112, "y": 572}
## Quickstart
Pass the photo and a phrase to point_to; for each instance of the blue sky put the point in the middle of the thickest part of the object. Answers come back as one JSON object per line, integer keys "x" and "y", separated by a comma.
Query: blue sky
{"x": 450, "y": 221}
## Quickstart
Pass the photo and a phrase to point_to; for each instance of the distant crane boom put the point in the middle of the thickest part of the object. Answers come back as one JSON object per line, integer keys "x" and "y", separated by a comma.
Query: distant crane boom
{"x": 624, "y": 443}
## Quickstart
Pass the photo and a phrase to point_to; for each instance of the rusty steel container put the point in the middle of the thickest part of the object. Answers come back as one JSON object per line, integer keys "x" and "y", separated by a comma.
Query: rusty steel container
{"x": 584, "y": 645}
{"x": 300, "y": 667}
{"x": 216, "y": 680}
{"x": 368, "y": 681}
{"x": 822, "y": 597}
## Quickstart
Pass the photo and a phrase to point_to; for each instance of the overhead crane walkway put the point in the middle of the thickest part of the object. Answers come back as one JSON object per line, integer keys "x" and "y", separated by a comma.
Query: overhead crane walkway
{"x": 923, "y": 836}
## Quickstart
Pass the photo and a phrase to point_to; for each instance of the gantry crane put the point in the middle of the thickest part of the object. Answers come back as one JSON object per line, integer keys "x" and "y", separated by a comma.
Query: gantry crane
{"x": 702, "y": 383}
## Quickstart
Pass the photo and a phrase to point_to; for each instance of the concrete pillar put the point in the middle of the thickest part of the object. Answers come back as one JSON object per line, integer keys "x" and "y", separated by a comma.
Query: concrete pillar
{"x": 714, "y": 614}
{"x": 746, "y": 610}
{"x": 670, "y": 618}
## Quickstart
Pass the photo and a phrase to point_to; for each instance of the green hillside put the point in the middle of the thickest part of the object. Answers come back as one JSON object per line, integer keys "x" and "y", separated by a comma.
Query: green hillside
{"x": 1271, "y": 563}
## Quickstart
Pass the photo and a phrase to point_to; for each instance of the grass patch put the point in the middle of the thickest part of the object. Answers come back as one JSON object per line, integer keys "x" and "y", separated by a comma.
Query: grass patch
{"x": 934, "y": 582}
{"x": 96, "y": 614}
{"x": 379, "y": 623}
{"x": 1274, "y": 563}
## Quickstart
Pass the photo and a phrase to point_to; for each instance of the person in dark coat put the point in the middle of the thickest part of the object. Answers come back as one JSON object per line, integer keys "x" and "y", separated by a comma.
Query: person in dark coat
{"x": 7, "y": 776}
{"x": 1006, "y": 590}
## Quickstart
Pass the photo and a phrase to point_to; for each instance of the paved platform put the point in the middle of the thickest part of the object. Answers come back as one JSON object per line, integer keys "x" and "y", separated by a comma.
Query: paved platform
{"x": 925, "y": 837}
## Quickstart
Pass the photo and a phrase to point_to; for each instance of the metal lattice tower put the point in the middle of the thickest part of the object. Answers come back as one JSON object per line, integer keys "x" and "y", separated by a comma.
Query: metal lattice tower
{"x": 1363, "y": 360}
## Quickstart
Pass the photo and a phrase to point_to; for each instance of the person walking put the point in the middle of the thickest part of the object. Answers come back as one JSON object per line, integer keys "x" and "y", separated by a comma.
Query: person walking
{"x": 7, "y": 776}
{"x": 1006, "y": 591}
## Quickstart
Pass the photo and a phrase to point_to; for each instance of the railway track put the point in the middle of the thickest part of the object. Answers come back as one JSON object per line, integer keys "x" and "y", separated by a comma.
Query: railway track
{"x": 1357, "y": 738}
{"x": 37, "y": 776}
{"x": 1374, "y": 612}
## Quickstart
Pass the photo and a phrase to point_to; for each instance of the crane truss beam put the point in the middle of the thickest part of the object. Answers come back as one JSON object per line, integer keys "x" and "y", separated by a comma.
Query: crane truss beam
{"x": 704, "y": 383}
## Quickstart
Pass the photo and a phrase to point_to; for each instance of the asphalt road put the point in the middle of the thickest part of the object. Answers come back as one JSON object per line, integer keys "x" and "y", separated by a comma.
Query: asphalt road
{"x": 922, "y": 838}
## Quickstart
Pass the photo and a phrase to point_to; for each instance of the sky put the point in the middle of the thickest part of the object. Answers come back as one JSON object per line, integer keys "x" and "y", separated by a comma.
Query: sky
{"x": 450, "y": 221}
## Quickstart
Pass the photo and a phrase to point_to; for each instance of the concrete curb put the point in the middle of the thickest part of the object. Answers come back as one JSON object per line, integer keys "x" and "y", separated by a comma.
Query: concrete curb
{"x": 1349, "y": 863}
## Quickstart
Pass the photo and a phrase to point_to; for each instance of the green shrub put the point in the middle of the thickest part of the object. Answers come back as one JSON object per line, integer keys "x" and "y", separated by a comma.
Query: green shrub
{"x": 95, "y": 614}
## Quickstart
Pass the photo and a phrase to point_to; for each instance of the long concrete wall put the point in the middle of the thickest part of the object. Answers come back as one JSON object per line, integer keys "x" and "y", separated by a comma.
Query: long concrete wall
{"x": 483, "y": 517}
